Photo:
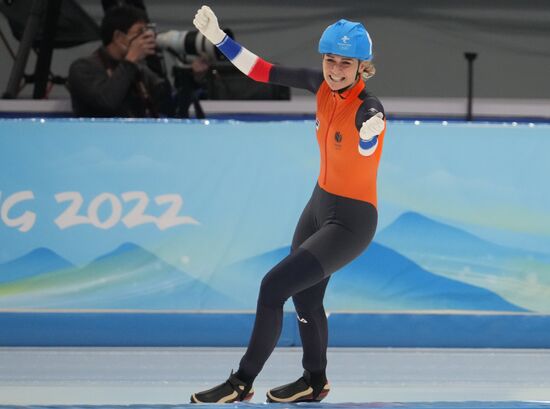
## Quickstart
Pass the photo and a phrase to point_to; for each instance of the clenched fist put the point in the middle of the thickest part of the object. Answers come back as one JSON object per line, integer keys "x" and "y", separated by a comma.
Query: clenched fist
{"x": 207, "y": 23}
{"x": 372, "y": 127}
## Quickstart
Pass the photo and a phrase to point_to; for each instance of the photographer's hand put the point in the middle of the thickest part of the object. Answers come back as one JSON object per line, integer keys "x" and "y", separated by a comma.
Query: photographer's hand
{"x": 141, "y": 47}
{"x": 207, "y": 23}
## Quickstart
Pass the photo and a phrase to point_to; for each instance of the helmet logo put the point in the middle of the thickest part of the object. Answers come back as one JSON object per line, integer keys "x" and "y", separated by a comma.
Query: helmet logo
{"x": 344, "y": 43}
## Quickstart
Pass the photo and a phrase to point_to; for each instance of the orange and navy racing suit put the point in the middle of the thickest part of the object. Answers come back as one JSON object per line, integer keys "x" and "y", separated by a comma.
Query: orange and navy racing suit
{"x": 337, "y": 224}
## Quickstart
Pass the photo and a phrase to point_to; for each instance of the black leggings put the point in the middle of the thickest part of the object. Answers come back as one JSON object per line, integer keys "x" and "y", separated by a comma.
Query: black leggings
{"x": 332, "y": 231}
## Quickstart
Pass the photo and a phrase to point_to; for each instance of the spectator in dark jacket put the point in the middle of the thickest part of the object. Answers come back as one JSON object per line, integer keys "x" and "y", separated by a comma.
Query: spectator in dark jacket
{"x": 115, "y": 81}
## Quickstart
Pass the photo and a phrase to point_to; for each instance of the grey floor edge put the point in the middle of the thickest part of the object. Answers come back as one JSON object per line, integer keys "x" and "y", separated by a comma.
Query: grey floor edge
{"x": 123, "y": 376}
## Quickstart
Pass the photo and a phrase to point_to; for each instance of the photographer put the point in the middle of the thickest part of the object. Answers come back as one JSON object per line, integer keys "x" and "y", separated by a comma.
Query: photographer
{"x": 114, "y": 81}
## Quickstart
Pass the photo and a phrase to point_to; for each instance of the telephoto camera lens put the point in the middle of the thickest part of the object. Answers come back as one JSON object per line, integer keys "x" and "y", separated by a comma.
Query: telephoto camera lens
{"x": 190, "y": 43}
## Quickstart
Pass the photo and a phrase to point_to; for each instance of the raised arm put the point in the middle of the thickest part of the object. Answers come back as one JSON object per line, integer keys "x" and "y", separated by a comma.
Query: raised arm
{"x": 249, "y": 63}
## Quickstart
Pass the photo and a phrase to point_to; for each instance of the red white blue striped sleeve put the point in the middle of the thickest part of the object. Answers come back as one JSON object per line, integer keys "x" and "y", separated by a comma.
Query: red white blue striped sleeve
{"x": 250, "y": 64}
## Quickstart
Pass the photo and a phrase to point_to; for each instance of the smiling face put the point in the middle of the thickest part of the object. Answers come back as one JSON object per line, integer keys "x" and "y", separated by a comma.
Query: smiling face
{"x": 340, "y": 72}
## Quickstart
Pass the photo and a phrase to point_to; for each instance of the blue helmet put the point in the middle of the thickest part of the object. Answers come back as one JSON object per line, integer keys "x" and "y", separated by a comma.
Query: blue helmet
{"x": 348, "y": 39}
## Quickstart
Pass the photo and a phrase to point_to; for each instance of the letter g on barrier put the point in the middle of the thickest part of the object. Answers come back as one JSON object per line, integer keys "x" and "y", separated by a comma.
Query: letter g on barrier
{"x": 26, "y": 221}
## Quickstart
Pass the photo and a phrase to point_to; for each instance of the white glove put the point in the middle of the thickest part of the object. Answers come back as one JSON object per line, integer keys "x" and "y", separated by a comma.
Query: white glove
{"x": 207, "y": 23}
{"x": 372, "y": 127}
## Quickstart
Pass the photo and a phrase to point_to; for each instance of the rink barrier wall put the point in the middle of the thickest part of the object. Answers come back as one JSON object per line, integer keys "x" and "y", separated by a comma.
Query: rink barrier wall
{"x": 168, "y": 329}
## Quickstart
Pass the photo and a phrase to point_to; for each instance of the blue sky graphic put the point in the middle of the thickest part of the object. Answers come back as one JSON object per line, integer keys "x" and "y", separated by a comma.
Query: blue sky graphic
{"x": 246, "y": 183}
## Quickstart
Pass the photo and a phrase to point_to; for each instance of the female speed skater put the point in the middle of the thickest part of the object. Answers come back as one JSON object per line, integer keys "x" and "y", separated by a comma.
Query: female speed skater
{"x": 338, "y": 222}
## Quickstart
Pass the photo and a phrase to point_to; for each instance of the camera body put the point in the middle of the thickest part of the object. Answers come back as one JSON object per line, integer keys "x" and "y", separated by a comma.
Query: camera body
{"x": 150, "y": 27}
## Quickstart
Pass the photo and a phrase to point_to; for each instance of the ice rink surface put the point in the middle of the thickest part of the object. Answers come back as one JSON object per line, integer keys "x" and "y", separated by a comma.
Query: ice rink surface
{"x": 359, "y": 377}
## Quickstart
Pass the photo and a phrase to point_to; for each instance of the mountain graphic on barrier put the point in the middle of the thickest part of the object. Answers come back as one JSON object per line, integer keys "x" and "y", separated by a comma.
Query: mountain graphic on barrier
{"x": 523, "y": 277}
{"x": 414, "y": 233}
{"x": 383, "y": 279}
{"x": 379, "y": 279}
{"x": 38, "y": 261}
{"x": 130, "y": 277}
{"x": 415, "y": 264}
